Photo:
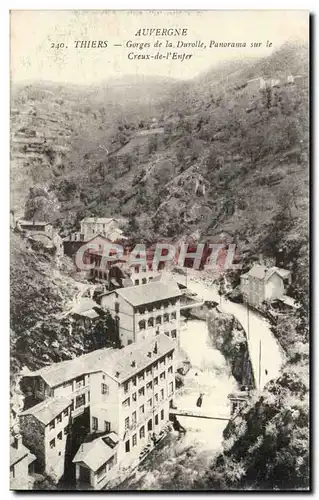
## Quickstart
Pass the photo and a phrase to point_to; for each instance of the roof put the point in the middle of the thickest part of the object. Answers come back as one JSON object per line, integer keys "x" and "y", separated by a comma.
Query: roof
{"x": 58, "y": 373}
{"x": 84, "y": 306}
{"x": 151, "y": 292}
{"x": 48, "y": 409}
{"x": 289, "y": 301}
{"x": 97, "y": 452}
{"x": 98, "y": 220}
{"x": 263, "y": 272}
{"x": 32, "y": 223}
{"x": 16, "y": 454}
{"x": 117, "y": 363}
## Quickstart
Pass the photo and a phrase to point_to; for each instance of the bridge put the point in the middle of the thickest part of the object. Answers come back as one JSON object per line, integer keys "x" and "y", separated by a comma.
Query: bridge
{"x": 213, "y": 415}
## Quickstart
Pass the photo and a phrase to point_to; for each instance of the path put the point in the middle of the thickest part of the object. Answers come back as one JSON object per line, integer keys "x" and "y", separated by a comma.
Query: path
{"x": 261, "y": 341}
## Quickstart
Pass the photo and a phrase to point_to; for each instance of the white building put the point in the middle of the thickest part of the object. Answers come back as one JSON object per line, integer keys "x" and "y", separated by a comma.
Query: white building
{"x": 130, "y": 400}
{"x": 21, "y": 464}
{"x": 145, "y": 310}
{"x": 105, "y": 226}
{"x": 264, "y": 283}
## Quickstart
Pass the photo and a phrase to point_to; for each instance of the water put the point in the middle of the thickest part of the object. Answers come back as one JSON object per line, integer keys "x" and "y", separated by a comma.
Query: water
{"x": 181, "y": 459}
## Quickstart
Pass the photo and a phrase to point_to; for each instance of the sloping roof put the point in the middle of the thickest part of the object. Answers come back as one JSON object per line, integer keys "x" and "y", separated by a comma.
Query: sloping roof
{"x": 289, "y": 301}
{"x": 119, "y": 364}
{"x": 98, "y": 220}
{"x": 57, "y": 373}
{"x": 97, "y": 452}
{"x": 263, "y": 272}
{"x": 16, "y": 454}
{"x": 84, "y": 305}
{"x": 151, "y": 292}
{"x": 32, "y": 223}
{"x": 48, "y": 409}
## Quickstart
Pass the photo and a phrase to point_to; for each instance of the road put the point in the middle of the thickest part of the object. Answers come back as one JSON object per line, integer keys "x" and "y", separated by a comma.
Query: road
{"x": 261, "y": 342}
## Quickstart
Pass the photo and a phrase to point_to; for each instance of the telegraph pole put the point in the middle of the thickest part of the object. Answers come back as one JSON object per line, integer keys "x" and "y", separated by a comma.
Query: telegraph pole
{"x": 259, "y": 364}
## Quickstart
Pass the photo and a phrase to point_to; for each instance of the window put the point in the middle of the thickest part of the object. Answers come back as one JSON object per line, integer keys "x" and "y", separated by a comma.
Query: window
{"x": 171, "y": 387}
{"x": 80, "y": 401}
{"x": 142, "y": 432}
{"x": 95, "y": 423}
{"x": 127, "y": 446}
{"x": 52, "y": 443}
{"x": 162, "y": 376}
{"x": 170, "y": 357}
{"x": 52, "y": 425}
{"x": 162, "y": 394}
{"x": 104, "y": 388}
{"x": 155, "y": 366}
{"x": 107, "y": 426}
{"x": 136, "y": 282}
{"x": 127, "y": 423}
{"x": 150, "y": 322}
{"x": 173, "y": 334}
{"x": 167, "y": 334}
{"x": 162, "y": 414}
{"x": 134, "y": 440}
{"x": 173, "y": 315}
{"x": 141, "y": 377}
{"x": 79, "y": 382}
{"x": 170, "y": 369}
{"x": 155, "y": 381}
{"x": 134, "y": 396}
{"x": 66, "y": 412}
{"x": 144, "y": 281}
{"x": 101, "y": 471}
{"x": 117, "y": 307}
{"x": 156, "y": 398}
{"x": 60, "y": 436}
{"x": 59, "y": 418}
{"x": 141, "y": 392}
{"x": 149, "y": 386}
{"x": 126, "y": 403}
{"x": 66, "y": 430}
{"x": 166, "y": 318}
{"x": 142, "y": 324}
{"x": 134, "y": 418}
{"x": 148, "y": 372}
{"x": 159, "y": 320}
{"x": 149, "y": 425}
{"x": 137, "y": 269}
{"x": 156, "y": 419}
{"x": 149, "y": 402}
{"x": 142, "y": 410}
{"x": 126, "y": 387}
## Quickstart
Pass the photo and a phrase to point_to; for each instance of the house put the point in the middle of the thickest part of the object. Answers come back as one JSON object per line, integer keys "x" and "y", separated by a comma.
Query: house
{"x": 33, "y": 226}
{"x": 21, "y": 465}
{"x": 105, "y": 226}
{"x": 43, "y": 233}
{"x": 44, "y": 429}
{"x": 129, "y": 402}
{"x": 144, "y": 310}
{"x": 87, "y": 311}
{"x": 95, "y": 462}
{"x": 264, "y": 283}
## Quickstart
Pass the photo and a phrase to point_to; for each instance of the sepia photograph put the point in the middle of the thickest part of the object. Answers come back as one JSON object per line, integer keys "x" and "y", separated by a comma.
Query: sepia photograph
{"x": 159, "y": 250}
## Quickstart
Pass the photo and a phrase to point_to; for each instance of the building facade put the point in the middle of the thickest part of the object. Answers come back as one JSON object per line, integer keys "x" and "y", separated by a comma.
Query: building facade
{"x": 145, "y": 310}
{"x": 130, "y": 399}
{"x": 21, "y": 465}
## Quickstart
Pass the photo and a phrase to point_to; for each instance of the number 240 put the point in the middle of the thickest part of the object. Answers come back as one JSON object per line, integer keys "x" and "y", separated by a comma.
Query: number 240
{"x": 57, "y": 45}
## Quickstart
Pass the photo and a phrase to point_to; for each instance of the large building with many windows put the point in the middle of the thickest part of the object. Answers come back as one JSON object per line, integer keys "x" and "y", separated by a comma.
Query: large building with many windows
{"x": 125, "y": 394}
{"x": 129, "y": 403}
{"x": 144, "y": 311}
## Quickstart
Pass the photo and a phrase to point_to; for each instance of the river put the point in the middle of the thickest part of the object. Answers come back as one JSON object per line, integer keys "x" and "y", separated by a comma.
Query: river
{"x": 180, "y": 459}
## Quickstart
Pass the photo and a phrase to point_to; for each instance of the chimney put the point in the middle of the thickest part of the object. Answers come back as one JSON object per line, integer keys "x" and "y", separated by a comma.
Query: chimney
{"x": 133, "y": 364}
{"x": 155, "y": 348}
{"x": 261, "y": 259}
{"x": 17, "y": 441}
{"x": 149, "y": 354}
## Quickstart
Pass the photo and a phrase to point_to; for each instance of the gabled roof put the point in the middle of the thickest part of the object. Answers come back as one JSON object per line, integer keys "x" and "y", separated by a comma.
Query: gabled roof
{"x": 97, "y": 452}
{"x": 151, "y": 292}
{"x": 264, "y": 273}
{"x": 32, "y": 223}
{"x": 84, "y": 306}
{"x": 48, "y": 409}
{"x": 16, "y": 454}
{"x": 119, "y": 364}
{"x": 98, "y": 220}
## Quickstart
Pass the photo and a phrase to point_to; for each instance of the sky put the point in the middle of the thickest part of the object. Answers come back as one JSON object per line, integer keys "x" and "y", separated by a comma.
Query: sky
{"x": 33, "y": 32}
